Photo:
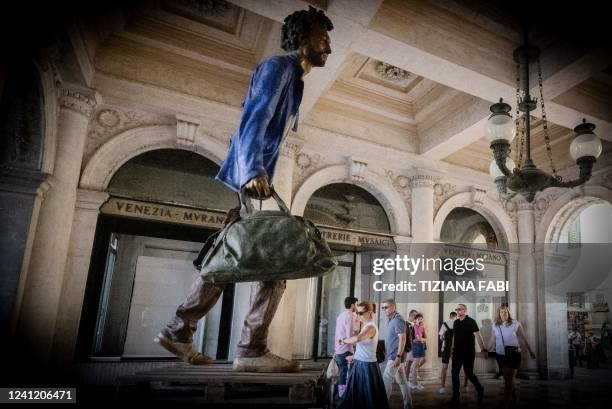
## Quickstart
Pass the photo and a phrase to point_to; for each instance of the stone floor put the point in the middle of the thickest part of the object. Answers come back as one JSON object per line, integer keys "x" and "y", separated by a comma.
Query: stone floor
{"x": 590, "y": 388}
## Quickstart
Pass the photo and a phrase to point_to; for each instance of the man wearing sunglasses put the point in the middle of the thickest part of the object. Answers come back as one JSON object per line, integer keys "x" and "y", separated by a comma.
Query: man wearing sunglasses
{"x": 395, "y": 342}
{"x": 463, "y": 352}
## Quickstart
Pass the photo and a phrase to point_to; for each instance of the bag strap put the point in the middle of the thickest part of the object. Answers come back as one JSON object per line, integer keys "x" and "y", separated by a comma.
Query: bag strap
{"x": 502, "y": 336}
{"x": 446, "y": 325}
{"x": 246, "y": 206}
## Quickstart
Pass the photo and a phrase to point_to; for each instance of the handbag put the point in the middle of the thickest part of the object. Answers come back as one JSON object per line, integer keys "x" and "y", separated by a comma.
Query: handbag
{"x": 266, "y": 245}
{"x": 511, "y": 352}
{"x": 332, "y": 369}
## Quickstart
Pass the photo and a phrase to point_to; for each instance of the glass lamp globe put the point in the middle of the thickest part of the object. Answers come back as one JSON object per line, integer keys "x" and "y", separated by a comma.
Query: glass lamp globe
{"x": 500, "y": 124}
{"x": 494, "y": 170}
{"x": 586, "y": 143}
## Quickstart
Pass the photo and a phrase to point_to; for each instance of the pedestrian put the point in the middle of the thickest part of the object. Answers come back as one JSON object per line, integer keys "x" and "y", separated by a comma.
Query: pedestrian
{"x": 463, "y": 352}
{"x": 395, "y": 342}
{"x": 418, "y": 349}
{"x": 446, "y": 337}
{"x": 365, "y": 387}
{"x": 345, "y": 328}
{"x": 507, "y": 333}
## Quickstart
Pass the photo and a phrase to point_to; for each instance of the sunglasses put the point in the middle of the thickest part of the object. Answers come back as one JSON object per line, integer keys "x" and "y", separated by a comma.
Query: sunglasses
{"x": 384, "y": 307}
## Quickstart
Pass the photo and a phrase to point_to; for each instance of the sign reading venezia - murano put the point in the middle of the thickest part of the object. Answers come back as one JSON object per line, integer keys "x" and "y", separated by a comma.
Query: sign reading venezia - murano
{"x": 163, "y": 212}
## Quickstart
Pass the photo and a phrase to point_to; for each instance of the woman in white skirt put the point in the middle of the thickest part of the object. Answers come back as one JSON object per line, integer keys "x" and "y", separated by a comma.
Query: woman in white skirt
{"x": 506, "y": 334}
{"x": 364, "y": 387}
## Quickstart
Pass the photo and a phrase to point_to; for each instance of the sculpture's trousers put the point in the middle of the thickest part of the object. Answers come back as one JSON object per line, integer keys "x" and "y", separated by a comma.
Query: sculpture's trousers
{"x": 202, "y": 297}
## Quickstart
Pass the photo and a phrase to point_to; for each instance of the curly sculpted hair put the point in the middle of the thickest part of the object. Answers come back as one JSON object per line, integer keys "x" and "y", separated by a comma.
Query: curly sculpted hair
{"x": 298, "y": 25}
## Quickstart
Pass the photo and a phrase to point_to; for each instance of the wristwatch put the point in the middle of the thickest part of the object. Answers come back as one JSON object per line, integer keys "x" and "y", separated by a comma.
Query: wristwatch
{"x": 398, "y": 356}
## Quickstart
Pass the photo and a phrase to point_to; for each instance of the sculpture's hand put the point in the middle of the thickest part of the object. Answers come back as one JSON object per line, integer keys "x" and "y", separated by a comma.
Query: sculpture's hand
{"x": 258, "y": 188}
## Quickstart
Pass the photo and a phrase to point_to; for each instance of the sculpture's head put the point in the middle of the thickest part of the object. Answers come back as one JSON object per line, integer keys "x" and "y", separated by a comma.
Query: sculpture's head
{"x": 305, "y": 31}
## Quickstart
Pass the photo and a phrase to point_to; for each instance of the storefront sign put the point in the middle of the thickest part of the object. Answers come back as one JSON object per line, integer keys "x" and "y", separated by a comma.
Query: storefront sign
{"x": 357, "y": 239}
{"x": 163, "y": 212}
{"x": 488, "y": 257}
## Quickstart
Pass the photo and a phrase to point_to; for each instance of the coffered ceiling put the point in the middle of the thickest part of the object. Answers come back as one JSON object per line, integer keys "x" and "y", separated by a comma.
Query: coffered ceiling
{"x": 416, "y": 75}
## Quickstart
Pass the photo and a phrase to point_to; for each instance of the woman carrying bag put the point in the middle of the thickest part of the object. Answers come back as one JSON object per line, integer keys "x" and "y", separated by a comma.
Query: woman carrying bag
{"x": 507, "y": 333}
{"x": 364, "y": 387}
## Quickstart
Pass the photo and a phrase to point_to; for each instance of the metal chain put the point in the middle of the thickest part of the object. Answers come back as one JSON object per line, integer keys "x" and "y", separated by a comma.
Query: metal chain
{"x": 546, "y": 135}
{"x": 517, "y": 118}
{"x": 520, "y": 158}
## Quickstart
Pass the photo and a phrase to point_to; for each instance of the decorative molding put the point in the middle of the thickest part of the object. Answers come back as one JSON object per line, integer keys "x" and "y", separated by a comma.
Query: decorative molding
{"x": 442, "y": 191}
{"x": 424, "y": 178}
{"x": 186, "y": 128}
{"x": 391, "y": 72}
{"x": 207, "y": 7}
{"x": 357, "y": 169}
{"x": 109, "y": 121}
{"x": 401, "y": 183}
{"x": 542, "y": 203}
{"x": 510, "y": 208}
{"x": 291, "y": 149}
{"x": 76, "y": 100}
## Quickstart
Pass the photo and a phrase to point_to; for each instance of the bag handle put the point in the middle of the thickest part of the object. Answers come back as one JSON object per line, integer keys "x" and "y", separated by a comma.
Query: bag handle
{"x": 246, "y": 206}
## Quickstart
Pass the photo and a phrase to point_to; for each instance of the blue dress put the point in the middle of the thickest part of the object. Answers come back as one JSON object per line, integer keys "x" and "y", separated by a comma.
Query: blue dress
{"x": 365, "y": 387}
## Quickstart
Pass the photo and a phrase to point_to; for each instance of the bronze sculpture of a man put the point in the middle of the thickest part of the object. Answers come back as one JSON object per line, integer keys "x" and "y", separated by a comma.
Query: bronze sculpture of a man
{"x": 270, "y": 109}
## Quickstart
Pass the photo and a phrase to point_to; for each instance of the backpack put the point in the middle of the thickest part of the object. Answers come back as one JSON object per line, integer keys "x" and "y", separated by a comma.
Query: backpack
{"x": 448, "y": 336}
{"x": 409, "y": 337}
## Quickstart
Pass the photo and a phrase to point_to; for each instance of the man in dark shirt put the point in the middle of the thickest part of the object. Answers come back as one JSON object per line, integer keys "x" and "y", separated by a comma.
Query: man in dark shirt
{"x": 463, "y": 351}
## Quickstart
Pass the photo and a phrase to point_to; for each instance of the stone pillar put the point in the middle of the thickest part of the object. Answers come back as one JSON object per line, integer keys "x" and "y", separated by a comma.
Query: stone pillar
{"x": 422, "y": 182}
{"x": 280, "y": 338}
{"x": 43, "y": 286}
{"x": 21, "y": 191}
{"x": 527, "y": 282}
{"x": 512, "y": 266}
{"x": 88, "y": 204}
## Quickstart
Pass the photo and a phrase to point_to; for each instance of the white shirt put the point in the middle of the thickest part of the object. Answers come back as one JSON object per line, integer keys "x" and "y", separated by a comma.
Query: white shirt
{"x": 366, "y": 350}
{"x": 505, "y": 335}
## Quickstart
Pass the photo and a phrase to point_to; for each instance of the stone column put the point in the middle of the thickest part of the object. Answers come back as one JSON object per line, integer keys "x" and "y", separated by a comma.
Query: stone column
{"x": 422, "y": 182}
{"x": 21, "y": 191}
{"x": 43, "y": 286}
{"x": 512, "y": 265}
{"x": 527, "y": 282}
{"x": 88, "y": 204}
{"x": 280, "y": 338}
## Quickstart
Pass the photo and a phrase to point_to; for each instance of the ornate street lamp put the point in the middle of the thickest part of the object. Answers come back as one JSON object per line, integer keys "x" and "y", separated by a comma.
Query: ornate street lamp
{"x": 524, "y": 177}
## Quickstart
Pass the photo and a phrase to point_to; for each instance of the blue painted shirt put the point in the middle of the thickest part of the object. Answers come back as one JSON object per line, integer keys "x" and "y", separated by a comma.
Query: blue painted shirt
{"x": 273, "y": 98}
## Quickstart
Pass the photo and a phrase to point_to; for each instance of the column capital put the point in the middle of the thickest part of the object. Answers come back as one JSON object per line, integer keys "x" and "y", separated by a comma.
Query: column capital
{"x": 88, "y": 199}
{"x": 78, "y": 99}
{"x": 522, "y": 205}
{"x": 420, "y": 177}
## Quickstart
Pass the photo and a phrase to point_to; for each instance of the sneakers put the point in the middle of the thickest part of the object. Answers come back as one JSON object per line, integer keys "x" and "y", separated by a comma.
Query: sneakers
{"x": 420, "y": 387}
{"x": 413, "y": 385}
{"x": 265, "y": 363}
{"x": 442, "y": 391}
{"x": 183, "y": 350}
